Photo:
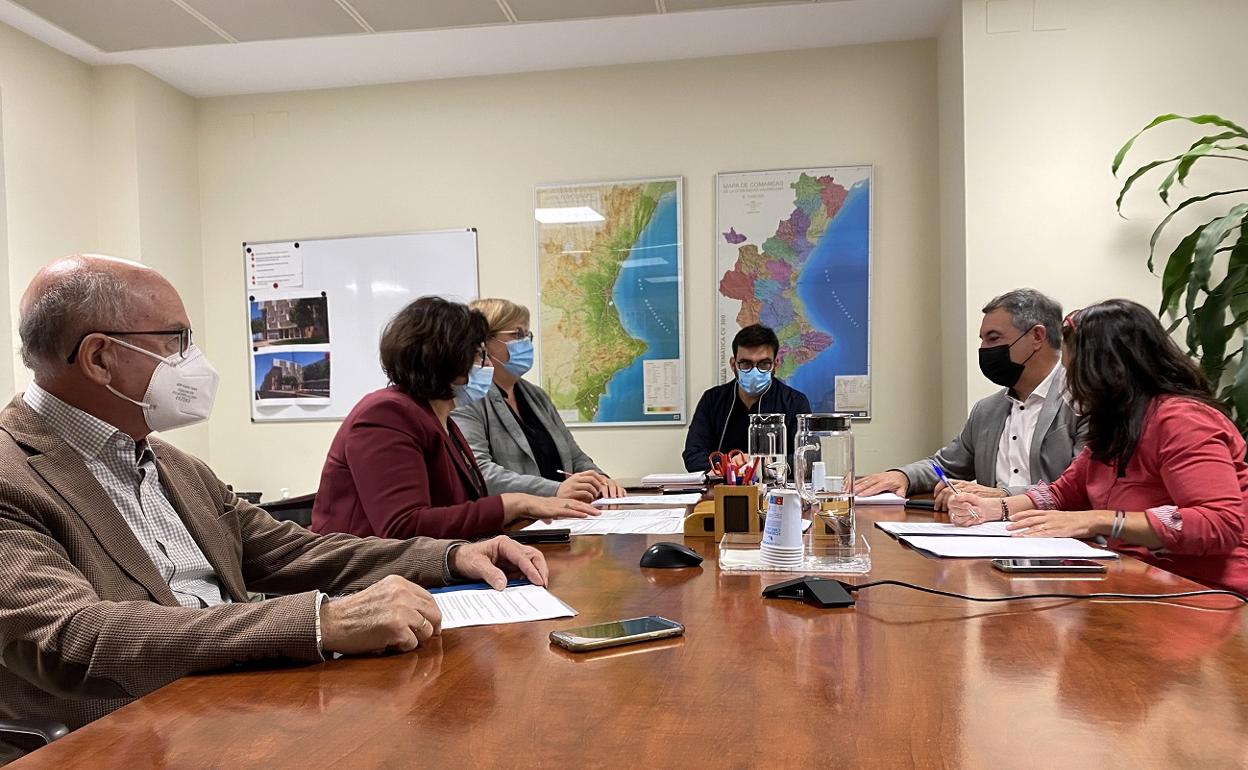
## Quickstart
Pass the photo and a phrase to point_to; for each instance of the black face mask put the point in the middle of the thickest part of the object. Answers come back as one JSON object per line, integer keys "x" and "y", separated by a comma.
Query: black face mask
{"x": 997, "y": 366}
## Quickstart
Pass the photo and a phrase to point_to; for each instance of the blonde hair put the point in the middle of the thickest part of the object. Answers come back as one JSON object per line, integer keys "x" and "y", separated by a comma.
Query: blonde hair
{"x": 502, "y": 314}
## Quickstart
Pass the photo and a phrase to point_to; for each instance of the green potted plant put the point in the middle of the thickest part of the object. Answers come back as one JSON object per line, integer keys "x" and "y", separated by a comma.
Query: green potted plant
{"x": 1204, "y": 282}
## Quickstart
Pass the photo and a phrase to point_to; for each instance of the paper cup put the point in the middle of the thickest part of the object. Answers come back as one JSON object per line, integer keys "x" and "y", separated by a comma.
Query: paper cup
{"x": 783, "y": 529}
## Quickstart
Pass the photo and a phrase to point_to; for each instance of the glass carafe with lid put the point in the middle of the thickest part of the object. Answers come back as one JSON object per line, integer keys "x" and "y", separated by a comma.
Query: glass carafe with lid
{"x": 768, "y": 447}
{"x": 823, "y": 465}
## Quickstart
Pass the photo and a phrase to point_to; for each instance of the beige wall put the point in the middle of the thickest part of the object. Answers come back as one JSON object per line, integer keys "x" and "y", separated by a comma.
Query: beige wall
{"x": 48, "y": 166}
{"x": 1045, "y": 111}
{"x": 468, "y": 153}
{"x": 102, "y": 160}
{"x": 953, "y": 328}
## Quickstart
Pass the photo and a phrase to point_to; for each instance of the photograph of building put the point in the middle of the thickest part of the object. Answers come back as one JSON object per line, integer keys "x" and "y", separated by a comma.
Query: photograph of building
{"x": 292, "y": 375}
{"x": 294, "y": 321}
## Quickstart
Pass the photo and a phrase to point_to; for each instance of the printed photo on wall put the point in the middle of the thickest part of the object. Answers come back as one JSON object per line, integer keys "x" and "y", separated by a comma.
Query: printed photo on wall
{"x": 292, "y": 375}
{"x": 292, "y": 321}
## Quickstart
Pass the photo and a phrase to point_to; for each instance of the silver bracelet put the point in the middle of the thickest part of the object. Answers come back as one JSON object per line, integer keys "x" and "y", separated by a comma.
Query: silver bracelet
{"x": 1120, "y": 521}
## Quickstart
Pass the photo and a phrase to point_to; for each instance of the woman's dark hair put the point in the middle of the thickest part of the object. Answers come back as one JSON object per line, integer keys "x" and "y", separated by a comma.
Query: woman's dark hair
{"x": 429, "y": 344}
{"x": 1120, "y": 359}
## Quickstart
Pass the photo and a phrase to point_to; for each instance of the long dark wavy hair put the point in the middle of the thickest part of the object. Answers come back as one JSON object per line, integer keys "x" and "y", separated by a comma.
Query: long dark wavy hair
{"x": 429, "y": 344}
{"x": 1119, "y": 358}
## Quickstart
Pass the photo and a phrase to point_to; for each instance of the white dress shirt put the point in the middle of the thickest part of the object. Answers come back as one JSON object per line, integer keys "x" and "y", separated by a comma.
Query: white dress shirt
{"x": 1014, "y": 448}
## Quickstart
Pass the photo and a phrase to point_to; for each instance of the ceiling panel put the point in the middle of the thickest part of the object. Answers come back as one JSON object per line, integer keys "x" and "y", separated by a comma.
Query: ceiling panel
{"x": 124, "y": 25}
{"x": 697, "y": 5}
{"x": 277, "y": 19}
{"x": 550, "y": 10}
{"x": 396, "y": 15}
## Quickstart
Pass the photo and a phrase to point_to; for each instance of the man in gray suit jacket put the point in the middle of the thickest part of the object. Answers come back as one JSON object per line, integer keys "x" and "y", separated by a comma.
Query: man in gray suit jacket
{"x": 1019, "y": 436}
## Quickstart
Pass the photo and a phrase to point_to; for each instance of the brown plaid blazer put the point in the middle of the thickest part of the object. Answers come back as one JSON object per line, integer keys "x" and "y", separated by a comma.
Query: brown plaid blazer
{"x": 86, "y": 622}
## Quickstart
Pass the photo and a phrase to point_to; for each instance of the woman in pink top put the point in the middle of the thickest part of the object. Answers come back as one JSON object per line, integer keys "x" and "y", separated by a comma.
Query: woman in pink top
{"x": 1162, "y": 477}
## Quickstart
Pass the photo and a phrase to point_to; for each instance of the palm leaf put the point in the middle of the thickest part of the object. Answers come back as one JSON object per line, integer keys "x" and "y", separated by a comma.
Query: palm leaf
{"x": 1204, "y": 120}
{"x": 1152, "y": 241}
{"x": 1211, "y": 236}
{"x": 1178, "y": 269}
{"x": 1239, "y": 393}
{"x": 1181, "y": 169}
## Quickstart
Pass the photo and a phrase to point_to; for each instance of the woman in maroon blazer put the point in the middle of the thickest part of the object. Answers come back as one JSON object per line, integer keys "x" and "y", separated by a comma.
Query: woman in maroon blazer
{"x": 1162, "y": 477}
{"x": 398, "y": 467}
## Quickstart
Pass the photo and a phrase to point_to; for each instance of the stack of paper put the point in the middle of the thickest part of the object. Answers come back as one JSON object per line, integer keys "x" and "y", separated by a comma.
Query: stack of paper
{"x": 1007, "y": 547}
{"x": 885, "y": 498}
{"x": 673, "y": 479}
{"x": 643, "y": 521}
{"x": 987, "y": 529}
{"x": 687, "y": 499}
{"x": 485, "y": 606}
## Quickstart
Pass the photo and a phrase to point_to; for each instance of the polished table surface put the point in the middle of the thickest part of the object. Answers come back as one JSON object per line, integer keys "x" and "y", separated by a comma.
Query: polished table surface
{"x": 903, "y": 679}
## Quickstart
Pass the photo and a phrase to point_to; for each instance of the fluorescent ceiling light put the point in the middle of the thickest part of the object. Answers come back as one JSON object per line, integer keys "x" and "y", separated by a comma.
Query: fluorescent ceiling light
{"x": 569, "y": 215}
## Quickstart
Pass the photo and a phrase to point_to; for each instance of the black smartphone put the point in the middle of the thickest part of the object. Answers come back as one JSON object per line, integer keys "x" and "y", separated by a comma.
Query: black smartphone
{"x": 1048, "y": 565}
{"x": 536, "y": 536}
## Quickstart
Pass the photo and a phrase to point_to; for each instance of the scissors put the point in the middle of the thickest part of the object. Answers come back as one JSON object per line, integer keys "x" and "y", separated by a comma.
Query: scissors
{"x": 720, "y": 462}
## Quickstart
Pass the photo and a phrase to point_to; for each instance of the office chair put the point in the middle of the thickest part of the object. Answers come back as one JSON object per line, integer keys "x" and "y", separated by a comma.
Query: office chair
{"x": 296, "y": 509}
{"x": 26, "y": 735}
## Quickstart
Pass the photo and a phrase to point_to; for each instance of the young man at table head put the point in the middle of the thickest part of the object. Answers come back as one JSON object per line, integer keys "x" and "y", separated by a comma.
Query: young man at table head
{"x": 1024, "y": 433}
{"x": 722, "y": 420}
{"x": 125, "y": 563}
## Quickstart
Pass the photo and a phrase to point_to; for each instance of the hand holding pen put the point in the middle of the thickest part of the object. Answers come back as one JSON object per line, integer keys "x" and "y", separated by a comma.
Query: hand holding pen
{"x": 972, "y": 513}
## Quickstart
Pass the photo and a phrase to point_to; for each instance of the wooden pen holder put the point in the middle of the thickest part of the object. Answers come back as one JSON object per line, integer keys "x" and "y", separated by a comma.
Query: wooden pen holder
{"x": 737, "y": 510}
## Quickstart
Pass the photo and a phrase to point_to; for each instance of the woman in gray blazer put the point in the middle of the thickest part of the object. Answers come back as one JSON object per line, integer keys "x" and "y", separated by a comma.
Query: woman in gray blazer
{"x": 520, "y": 442}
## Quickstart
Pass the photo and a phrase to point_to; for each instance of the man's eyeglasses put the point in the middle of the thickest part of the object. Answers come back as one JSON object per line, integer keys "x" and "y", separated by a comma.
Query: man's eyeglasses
{"x": 482, "y": 357}
{"x": 183, "y": 336}
{"x": 749, "y": 366}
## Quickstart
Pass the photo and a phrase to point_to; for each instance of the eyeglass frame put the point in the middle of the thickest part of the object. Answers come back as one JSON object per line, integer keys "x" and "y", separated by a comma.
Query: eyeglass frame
{"x": 520, "y": 335}
{"x": 185, "y": 340}
{"x": 771, "y": 364}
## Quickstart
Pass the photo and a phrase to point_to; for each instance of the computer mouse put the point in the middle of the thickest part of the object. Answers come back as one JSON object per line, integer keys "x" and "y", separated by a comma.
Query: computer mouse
{"x": 670, "y": 555}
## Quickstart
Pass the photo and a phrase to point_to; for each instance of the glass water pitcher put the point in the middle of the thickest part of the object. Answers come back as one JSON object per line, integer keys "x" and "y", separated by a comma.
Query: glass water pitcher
{"x": 823, "y": 465}
{"x": 768, "y": 440}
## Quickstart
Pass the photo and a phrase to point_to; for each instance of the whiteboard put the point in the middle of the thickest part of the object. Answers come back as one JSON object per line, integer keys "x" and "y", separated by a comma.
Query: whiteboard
{"x": 316, "y": 309}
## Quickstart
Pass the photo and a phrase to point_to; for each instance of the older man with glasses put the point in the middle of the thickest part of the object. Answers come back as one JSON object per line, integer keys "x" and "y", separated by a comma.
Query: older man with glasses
{"x": 721, "y": 422}
{"x": 125, "y": 563}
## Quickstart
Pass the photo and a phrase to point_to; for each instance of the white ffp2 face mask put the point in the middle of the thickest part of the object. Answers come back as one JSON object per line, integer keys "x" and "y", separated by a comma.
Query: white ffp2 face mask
{"x": 181, "y": 391}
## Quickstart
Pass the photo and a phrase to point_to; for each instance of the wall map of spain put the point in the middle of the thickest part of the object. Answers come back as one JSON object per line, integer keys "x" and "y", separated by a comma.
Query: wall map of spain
{"x": 794, "y": 254}
{"x": 611, "y": 318}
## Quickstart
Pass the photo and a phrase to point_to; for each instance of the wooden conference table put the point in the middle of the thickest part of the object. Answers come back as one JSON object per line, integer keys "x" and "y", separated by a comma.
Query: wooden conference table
{"x": 904, "y": 679}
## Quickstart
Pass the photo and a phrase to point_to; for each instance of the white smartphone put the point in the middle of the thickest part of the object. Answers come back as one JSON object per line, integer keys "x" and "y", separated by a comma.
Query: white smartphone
{"x": 616, "y": 633}
{"x": 1048, "y": 565}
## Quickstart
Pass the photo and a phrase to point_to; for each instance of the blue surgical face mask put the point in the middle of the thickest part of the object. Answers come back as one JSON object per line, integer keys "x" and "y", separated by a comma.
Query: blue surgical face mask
{"x": 479, "y": 380}
{"x": 754, "y": 382}
{"x": 519, "y": 357}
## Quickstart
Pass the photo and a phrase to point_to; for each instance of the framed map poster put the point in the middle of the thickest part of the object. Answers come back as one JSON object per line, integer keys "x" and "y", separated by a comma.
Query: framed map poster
{"x": 793, "y": 252}
{"x": 611, "y": 322}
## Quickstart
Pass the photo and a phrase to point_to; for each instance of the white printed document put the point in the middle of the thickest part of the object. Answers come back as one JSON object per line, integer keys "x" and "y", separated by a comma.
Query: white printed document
{"x": 1007, "y": 547}
{"x": 884, "y": 498}
{"x": 664, "y": 500}
{"x": 486, "y": 607}
{"x": 987, "y": 529}
{"x": 643, "y": 521}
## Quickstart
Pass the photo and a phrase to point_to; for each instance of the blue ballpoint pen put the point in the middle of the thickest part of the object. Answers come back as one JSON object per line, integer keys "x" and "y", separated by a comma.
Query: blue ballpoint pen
{"x": 940, "y": 473}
